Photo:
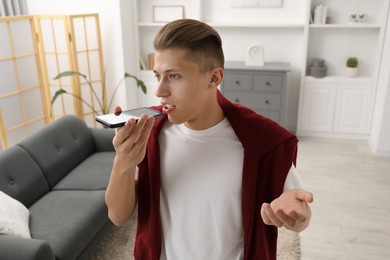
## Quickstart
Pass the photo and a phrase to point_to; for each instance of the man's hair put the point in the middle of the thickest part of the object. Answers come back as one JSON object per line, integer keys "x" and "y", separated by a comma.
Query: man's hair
{"x": 202, "y": 43}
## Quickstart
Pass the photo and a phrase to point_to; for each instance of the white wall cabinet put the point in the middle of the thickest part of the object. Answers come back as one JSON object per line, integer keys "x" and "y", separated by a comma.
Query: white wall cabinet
{"x": 319, "y": 100}
{"x": 336, "y": 107}
{"x": 352, "y": 113}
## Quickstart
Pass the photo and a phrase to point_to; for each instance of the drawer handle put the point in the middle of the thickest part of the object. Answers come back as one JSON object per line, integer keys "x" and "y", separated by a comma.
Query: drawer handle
{"x": 238, "y": 82}
{"x": 267, "y": 102}
{"x": 237, "y": 100}
{"x": 268, "y": 84}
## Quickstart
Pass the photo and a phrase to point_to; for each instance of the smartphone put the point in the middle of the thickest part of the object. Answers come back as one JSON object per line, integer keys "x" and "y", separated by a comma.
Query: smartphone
{"x": 119, "y": 119}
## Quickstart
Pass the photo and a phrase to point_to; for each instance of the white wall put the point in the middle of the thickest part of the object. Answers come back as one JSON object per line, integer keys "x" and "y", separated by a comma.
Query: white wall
{"x": 380, "y": 132}
{"x": 111, "y": 33}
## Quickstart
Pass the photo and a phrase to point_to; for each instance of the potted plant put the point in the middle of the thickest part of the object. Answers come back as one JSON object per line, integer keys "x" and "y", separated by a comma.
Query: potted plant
{"x": 351, "y": 69}
{"x": 105, "y": 110}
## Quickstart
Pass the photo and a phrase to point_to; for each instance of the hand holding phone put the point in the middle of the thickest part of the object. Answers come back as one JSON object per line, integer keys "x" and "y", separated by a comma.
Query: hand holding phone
{"x": 119, "y": 119}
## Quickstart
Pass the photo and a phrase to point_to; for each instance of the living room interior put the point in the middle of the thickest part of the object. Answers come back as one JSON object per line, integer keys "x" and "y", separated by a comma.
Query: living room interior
{"x": 341, "y": 120}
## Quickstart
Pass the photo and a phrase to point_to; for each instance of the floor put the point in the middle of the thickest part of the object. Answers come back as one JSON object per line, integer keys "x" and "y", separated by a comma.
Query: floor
{"x": 351, "y": 211}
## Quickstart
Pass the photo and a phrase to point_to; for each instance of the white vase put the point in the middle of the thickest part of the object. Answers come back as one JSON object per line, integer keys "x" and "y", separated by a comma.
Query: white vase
{"x": 350, "y": 72}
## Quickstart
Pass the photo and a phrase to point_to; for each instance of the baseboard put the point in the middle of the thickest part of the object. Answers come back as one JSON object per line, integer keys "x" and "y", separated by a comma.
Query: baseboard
{"x": 376, "y": 151}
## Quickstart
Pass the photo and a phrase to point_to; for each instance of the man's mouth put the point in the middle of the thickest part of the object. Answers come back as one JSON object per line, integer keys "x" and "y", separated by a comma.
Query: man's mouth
{"x": 168, "y": 107}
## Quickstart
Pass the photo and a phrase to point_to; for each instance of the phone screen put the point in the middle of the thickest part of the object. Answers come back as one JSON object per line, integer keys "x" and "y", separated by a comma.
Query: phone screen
{"x": 119, "y": 119}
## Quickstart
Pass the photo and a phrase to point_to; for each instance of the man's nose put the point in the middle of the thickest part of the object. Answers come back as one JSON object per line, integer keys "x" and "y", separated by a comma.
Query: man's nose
{"x": 162, "y": 88}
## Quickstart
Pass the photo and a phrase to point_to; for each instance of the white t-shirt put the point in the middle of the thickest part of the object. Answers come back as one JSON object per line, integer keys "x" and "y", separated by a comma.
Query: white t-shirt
{"x": 201, "y": 188}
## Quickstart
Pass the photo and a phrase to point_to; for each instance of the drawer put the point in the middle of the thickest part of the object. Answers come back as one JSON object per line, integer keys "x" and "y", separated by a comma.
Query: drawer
{"x": 268, "y": 82}
{"x": 255, "y": 100}
{"x": 237, "y": 81}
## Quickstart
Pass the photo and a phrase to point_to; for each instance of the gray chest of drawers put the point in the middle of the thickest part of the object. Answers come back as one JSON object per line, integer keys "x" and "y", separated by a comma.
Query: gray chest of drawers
{"x": 262, "y": 89}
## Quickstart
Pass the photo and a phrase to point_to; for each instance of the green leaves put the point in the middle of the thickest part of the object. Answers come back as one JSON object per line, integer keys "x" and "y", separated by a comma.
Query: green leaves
{"x": 57, "y": 94}
{"x": 69, "y": 73}
{"x": 139, "y": 82}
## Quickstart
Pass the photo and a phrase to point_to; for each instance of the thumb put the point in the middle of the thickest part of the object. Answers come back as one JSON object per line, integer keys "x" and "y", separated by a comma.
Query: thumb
{"x": 117, "y": 109}
{"x": 304, "y": 196}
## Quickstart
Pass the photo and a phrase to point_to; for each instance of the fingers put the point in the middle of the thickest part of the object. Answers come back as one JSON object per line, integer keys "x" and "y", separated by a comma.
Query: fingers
{"x": 304, "y": 196}
{"x": 122, "y": 133}
{"x": 280, "y": 218}
{"x": 141, "y": 130}
{"x": 288, "y": 221}
{"x": 149, "y": 122}
{"x": 269, "y": 217}
{"x": 134, "y": 132}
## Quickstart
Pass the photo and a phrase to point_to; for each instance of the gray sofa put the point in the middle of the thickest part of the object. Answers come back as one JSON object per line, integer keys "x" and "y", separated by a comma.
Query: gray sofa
{"x": 60, "y": 174}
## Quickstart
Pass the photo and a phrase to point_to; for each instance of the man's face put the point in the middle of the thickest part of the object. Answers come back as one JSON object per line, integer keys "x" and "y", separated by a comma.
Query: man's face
{"x": 184, "y": 90}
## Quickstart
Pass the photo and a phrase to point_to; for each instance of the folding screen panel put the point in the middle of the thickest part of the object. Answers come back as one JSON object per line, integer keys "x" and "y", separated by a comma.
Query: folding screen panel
{"x": 88, "y": 59}
{"x": 22, "y": 100}
{"x": 55, "y": 55}
{"x": 72, "y": 43}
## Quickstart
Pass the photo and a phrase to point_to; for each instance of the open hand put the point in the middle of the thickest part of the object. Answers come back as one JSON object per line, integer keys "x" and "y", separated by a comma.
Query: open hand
{"x": 291, "y": 210}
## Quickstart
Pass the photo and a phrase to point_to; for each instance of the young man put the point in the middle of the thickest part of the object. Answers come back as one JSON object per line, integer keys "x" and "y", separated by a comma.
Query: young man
{"x": 214, "y": 179}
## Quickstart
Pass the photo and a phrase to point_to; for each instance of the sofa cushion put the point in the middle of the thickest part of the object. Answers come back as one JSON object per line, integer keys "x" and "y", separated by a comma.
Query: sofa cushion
{"x": 68, "y": 220}
{"x": 14, "y": 217}
{"x": 60, "y": 146}
{"x": 91, "y": 174}
{"x": 21, "y": 177}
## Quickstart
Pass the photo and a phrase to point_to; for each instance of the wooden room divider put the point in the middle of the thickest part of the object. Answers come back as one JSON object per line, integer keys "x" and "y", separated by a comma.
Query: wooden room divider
{"x": 33, "y": 50}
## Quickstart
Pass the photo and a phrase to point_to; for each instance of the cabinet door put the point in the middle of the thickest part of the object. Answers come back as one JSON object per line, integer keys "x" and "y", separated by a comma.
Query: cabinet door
{"x": 352, "y": 109}
{"x": 318, "y": 107}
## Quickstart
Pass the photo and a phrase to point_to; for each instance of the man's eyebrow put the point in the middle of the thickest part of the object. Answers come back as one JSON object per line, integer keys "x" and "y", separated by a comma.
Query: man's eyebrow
{"x": 167, "y": 71}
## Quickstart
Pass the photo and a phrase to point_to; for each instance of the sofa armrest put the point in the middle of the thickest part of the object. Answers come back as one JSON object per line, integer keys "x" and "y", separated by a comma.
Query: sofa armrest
{"x": 102, "y": 138}
{"x": 12, "y": 247}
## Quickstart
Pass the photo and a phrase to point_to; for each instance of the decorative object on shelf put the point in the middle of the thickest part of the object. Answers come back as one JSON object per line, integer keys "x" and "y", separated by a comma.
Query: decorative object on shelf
{"x": 363, "y": 18}
{"x": 104, "y": 109}
{"x": 318, "y": 68}
{"x": 167, "y": 13}
{"x": 358, "y": 18}
{"x": 320, "y": 14}
{"x": 150, "y": 61}
{"x": 255, "y": 55}
{"x": 351, "y": 67}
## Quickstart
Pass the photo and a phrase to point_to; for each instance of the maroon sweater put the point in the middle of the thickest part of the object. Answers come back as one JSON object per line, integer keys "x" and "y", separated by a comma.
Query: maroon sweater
{"x": 269, "y": 151}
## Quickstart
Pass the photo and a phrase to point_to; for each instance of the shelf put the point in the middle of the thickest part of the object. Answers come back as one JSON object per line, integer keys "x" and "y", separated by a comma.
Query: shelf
{"x": 339, "y": 79}
{"x": 345, "y": 26}
{"x": 151, "y": 24}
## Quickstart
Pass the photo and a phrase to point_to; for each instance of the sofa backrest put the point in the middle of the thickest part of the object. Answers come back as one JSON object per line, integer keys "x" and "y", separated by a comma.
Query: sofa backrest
{"x": 60, "y": 146}
{"x": 21, "y": 177}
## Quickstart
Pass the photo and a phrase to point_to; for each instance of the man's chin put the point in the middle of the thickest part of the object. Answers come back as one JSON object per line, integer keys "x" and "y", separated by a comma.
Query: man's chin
{"x": 174, "y": 120}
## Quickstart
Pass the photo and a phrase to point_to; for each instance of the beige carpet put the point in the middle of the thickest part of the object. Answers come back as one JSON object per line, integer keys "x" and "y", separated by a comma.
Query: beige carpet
{"x": 118, "y": 244}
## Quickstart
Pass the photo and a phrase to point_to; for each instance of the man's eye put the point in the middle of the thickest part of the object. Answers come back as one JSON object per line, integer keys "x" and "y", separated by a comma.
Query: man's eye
{"x": 173, "y": 76}
{"x": 157, "y": 77}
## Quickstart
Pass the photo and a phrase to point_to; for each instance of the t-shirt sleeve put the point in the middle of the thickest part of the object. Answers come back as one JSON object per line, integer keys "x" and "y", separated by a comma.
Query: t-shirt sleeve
{"x": 293, "y": 181}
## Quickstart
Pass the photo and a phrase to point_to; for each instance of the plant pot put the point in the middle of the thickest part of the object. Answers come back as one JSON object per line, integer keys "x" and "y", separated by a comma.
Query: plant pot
{"x": 350, "y": 72}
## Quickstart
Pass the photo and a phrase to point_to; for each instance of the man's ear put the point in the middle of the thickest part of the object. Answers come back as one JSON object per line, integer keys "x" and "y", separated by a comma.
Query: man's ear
{"x": 216, "y": 77}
